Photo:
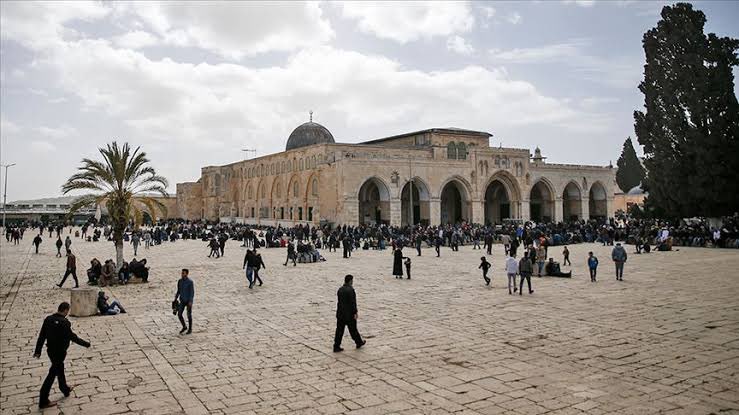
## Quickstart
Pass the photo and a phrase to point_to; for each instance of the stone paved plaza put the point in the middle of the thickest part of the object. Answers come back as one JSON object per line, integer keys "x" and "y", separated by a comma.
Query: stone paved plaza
{"x": 666, "y": 340}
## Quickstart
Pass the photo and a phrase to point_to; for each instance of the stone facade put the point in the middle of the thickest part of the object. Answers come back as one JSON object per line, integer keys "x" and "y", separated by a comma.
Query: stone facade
{"x": 432, "y": 176}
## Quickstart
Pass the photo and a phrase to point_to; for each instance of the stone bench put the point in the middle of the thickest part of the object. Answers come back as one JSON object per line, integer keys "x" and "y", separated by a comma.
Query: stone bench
{"x": 83, "y": 302}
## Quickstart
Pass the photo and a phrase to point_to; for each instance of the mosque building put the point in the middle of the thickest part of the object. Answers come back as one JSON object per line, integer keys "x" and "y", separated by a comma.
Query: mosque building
{"x": 434, "y": 176}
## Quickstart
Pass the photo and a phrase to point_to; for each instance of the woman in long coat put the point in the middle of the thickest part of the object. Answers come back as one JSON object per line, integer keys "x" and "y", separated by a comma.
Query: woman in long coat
{"x": 398, "y": 263}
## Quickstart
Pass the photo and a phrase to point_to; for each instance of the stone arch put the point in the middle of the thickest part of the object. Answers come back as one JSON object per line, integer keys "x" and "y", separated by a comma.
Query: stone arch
{"x": 598, "y": 203}
{"x": 541, "y": 201}
{"x": 502, "y": 197}
{"x": 420, "y": 211}
{"x": 311, "y": 197}
{"x": 455, "y": 200}
{"x": 374, "y": 201}
{"x": 571, "y": 201}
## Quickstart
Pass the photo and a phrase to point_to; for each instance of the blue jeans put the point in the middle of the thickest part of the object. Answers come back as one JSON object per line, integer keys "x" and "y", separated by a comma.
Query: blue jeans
{"x": 249, "y": 275}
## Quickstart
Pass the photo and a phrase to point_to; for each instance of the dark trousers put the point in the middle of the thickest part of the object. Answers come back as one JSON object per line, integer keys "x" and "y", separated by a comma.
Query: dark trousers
{"x": 593, "y": 271}
{"x": 256, "y": 276}
{"x": 289, "y": 257}
{"x": 59, "y": 252}
{"x": 489, "y": 248}
{"x": 418, "y": 249}
{"x": 407, "y": 272}
{"x": 352, "y": 324}
{"x": 36, "y": 248}
{"x": 525, "y": 276}
{"x": 69, "y": 272}
{"x": 438, "y": 250}
{"x": 184, "y": 305}
{"x": 55, "y": 371}
{"x": 567, "y": 261}
{"x": 347, "y": 254}
{"x": 485, "y": 276}
{"x": 619, "y": 270}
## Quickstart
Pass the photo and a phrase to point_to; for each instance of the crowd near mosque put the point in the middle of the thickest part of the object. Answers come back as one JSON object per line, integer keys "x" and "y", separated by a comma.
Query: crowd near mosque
{"x": 529, "y": 250}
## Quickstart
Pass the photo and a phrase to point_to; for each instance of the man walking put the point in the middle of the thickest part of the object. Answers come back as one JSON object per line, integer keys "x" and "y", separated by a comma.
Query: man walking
{"x": 525, "y": 269}
{"x": 135, "y": 240}
{"x": 59, "y": 245}
{"x": 566, "y": 255}
{"x": 37, "y": 241}
{"x": 346, "y": 314}
{"x": 57, "y": 333}
{"x": 291, "y": 253}
{"x": 185, "y": 293}
{"x": 592, "y": 265}
{"x": 541, "y": 259}
{"x": 619, "y": 258}
{"x": 485, "y": 267}
{"x": 250, "y": 261}
{"x": 511, "y": 268}
{"x": 71, "y": 269}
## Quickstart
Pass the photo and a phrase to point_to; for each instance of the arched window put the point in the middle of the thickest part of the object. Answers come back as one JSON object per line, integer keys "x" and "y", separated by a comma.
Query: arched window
{"x": 451, "y": 150}
{"x": 278, "y": 190}
{"x": 250, "y": 192}
{"x": 313, "y": 162}
{"x": 295, "y": 188}
{"x": 461, "y": 151}
{"x": 314, "y": 187}
{"x": 282, "y": 167}
{"x": 301, "y": 164}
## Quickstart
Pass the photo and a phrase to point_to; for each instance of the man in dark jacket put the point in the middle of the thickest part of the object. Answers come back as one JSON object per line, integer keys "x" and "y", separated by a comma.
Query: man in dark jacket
{"x": 346, "y": 314}
{"x": 185, "y": 293}
{"x": 71, "y": 269}
{"x": 57, "y": 333}
{"x": 37, "y": 241}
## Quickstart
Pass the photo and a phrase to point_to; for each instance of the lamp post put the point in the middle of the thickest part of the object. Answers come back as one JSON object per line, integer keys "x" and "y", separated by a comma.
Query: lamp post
{"x": 5, "y": 193}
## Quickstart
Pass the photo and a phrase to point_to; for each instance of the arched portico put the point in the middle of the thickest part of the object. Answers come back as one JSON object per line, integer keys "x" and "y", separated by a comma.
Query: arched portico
{"x": 502, "y": 197}
{"x": 598, "y": 203}
{"x": 419, "y": 210}
{"x": 374, "y": 202}
{"x": 455, "y": 201}
{"x": 541, "y": 201}
{"x": 571, "y": 202}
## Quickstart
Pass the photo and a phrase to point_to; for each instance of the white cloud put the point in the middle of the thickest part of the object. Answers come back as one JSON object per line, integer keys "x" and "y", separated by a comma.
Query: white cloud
{"x": 234, "y": 29}
{"x": 63, "y": 131}
{"x": 459, "y": 45}
{"x": 514, "y": 18}
{"x": 488, "y": 11}
{"x": 409, "y": 21}
{"x": 581, "y": 3}
{"x": 41, "y": 146}
{"x": 539, "y": 54}
{"x": 136, "y": 40}
{"x": 8, "y": 128}
{"x": 617, "y": 72}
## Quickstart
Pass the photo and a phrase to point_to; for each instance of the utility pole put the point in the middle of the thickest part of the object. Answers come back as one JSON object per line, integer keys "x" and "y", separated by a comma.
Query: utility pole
{"x": 5, "y": 194}
{"x": 249, "y": 150}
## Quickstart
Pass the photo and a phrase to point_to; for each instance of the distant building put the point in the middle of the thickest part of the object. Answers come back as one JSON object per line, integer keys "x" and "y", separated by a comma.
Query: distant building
{"x": 435, "y": 176}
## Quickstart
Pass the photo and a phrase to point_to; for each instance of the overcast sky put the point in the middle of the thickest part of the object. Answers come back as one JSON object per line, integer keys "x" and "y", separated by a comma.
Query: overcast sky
{"x": 194, "y": 83}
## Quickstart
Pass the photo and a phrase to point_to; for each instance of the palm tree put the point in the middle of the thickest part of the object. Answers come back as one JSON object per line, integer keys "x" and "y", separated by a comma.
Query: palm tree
{"x": 123, "y": 183}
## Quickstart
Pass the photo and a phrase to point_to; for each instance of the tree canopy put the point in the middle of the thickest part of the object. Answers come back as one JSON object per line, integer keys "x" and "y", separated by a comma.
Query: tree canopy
{"x": 689, "y": 127}
{"x": 123, "y": 183}
{"x": 630, "y": 171}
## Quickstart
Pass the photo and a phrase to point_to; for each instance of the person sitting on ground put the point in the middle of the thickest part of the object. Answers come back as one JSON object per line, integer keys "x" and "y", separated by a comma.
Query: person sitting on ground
{"x": 139, "y": 269}
{"x": 93, "y": 273}
{"x": 106, "y": 309}
{"x": 107, "y": 277}
{"x": 124, "y": 273}
{"x": 552, "y": 270}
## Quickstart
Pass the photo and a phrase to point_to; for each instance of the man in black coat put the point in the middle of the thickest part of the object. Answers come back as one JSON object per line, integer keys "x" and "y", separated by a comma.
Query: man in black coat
{"x": 346, "y": 314}
{"x": 57, "y": 333}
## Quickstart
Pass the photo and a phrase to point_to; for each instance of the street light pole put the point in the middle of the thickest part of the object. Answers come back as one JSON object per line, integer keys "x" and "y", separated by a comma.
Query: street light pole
{"x": 5, "y": 193}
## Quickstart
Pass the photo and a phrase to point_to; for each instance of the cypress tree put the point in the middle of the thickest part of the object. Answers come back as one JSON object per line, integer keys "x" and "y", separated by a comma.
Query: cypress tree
{"x": 630, "y": 171}
{"x": 690, "y": 124}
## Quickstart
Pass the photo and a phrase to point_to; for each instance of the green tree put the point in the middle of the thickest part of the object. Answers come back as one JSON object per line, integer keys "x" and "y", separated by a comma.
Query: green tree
{"x": 123, "y": 182}
{"x": 630, "y": 171}
{"x": 690, "y": 124}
